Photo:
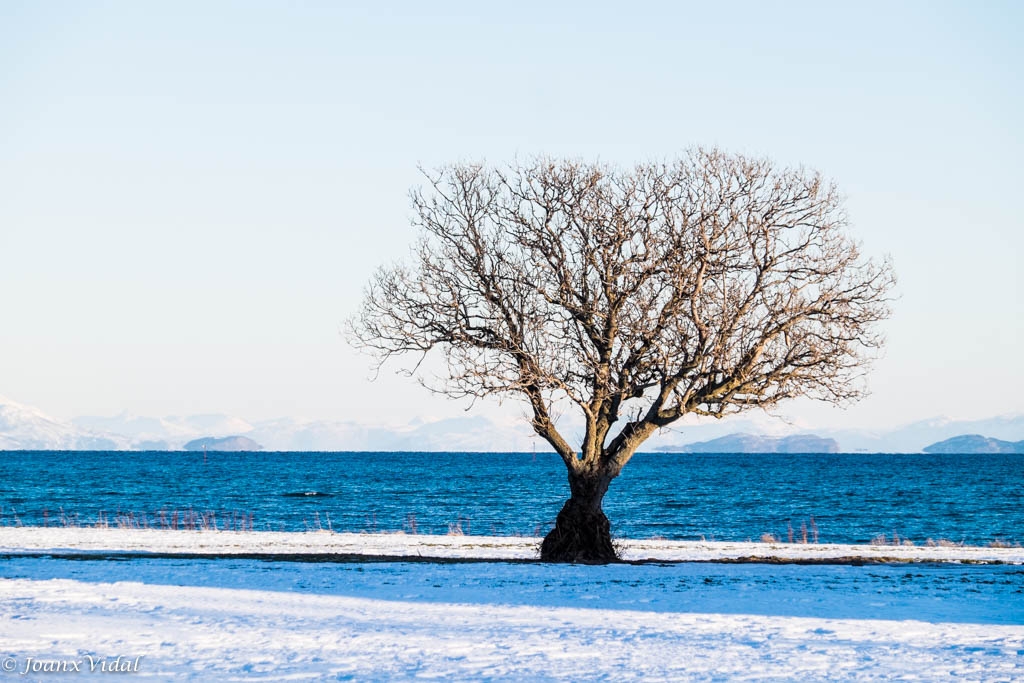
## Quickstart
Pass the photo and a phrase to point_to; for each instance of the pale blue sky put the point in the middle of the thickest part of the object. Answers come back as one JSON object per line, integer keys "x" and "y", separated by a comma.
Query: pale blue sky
{"x": 195, "y": 193}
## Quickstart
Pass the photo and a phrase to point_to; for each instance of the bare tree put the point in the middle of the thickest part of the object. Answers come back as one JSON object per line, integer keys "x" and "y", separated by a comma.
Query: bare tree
{"x": 708, "y": 285}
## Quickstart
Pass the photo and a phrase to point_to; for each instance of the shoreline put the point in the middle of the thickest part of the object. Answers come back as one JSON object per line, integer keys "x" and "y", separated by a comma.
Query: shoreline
{"x": 83, "y": 543}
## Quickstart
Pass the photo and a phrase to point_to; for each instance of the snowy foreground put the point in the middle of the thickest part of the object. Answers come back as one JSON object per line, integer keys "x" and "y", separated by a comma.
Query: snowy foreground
{"x": 311, "y": 606}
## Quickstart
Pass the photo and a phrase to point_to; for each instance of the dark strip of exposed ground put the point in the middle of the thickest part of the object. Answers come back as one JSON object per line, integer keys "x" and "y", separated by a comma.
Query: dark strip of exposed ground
{"x": 355, "y": 558}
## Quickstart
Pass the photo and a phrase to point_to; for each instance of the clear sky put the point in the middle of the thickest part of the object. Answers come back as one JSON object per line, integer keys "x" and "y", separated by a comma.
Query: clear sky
{"x": 193, "y": 194}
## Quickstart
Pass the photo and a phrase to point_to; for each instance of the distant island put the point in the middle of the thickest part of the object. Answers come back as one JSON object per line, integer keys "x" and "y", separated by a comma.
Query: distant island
{"x": 227, "y": 443}
{"x": 753, "y": 443}
{"x": 975, "y": 443}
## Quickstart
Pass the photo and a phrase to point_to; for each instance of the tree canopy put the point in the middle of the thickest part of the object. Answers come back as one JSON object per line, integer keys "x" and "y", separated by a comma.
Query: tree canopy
{"x": 709, "y": 285}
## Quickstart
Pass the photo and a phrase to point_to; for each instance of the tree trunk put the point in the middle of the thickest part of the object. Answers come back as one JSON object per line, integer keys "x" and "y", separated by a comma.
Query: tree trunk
{"x": 582, "y": 533}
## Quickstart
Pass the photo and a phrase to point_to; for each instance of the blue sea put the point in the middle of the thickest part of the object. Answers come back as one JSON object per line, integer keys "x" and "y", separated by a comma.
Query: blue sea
{"x": 840, "y": 498}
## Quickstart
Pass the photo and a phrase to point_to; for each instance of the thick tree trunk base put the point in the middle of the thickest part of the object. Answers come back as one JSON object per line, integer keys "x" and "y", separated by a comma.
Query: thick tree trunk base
{"x": 582, "y": 535}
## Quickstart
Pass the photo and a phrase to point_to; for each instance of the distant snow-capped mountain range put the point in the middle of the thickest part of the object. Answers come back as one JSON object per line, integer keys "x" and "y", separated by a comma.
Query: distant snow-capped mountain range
{"x": 27, "y": 428}
{"x": 24, "y": 427}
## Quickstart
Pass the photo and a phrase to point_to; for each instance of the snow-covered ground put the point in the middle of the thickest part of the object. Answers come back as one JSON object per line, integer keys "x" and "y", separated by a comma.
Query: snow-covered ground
{"x": 238, "y": 617}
